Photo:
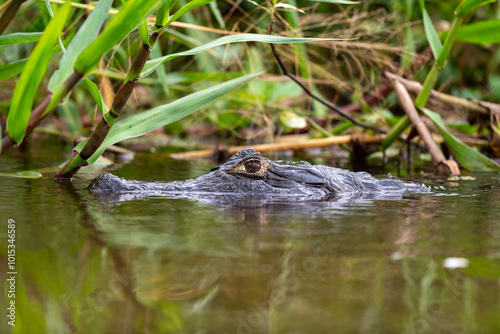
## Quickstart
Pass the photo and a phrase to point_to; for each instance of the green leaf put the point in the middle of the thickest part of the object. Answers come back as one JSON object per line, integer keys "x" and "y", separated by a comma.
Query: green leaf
{"x": 432, "y": 35}
{"x": 144, "y": 32}
{"x": 162, "y": 14}
{"x": 484, "y": 33}
{"x": 85, "y": 35}
{"x": 140, "y": 124}
{"x": 468, "y": 5}
{"x": 24, "y": 93}
{"x": 131, "y": 14}
{"x": 152, "y": 64}
{"x": 96, "y": 95}
{"x": 188, "y": 7}
{"x": 25, "y": 174}
{"x": 20, "y": 38}
{"x": 468, "y": 157}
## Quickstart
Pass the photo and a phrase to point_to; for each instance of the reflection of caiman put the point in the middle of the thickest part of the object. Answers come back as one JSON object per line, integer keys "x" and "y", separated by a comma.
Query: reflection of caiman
{"x": 249, "y": 173}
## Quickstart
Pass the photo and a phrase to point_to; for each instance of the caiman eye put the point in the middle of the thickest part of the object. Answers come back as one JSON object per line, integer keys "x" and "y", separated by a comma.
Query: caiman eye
{"x": 252, "y": 166}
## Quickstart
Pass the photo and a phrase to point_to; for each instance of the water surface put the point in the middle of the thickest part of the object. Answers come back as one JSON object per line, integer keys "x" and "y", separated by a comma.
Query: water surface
{"x": 166, "y": 265}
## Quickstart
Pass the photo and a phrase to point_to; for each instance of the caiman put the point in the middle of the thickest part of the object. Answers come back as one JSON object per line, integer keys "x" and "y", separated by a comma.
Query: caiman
{"x": 248, "y": 173}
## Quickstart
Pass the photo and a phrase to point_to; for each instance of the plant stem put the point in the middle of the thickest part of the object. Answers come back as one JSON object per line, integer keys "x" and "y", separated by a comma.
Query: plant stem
{"x": 9, "y": 14}
{"x": 102, "y": 129}
{"x": 429, "y": 83}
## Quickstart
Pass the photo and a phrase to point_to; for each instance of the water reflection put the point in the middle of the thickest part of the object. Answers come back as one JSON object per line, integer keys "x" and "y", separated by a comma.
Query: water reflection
{"x": 245, "y": 265}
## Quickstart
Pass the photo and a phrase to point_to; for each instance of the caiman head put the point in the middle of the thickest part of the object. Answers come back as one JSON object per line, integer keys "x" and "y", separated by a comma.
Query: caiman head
{"x": 249, "y": 173}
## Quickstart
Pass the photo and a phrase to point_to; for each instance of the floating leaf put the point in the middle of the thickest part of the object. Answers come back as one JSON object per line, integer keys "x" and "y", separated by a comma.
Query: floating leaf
{"x": 468, "y": 157}
{"x": 484, "y": 33}
{"x": 237, "y": 38}
{"x": 140, "y": 124}
{"x": 25, "y": 174}
{"x": 24, "y": 93}
{"x": 20, "y": 38}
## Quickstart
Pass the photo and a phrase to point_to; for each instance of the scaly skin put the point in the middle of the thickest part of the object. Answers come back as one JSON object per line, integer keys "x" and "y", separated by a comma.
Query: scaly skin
{"x": 248, "y": 173}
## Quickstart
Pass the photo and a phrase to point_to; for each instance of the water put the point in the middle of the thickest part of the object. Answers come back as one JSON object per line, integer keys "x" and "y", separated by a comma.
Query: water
{"x": 163, "y": 265}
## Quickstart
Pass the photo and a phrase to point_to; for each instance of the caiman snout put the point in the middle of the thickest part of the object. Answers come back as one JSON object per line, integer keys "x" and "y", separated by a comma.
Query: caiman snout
{"x": 301, "y": 175}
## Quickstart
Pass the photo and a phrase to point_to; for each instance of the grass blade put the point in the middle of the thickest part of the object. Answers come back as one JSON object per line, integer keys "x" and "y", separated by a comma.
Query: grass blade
{"x": 147, "y": 121}
{"x": 467, "y": 156}
{"x": 188, "y": 7}
{"x": 85, "y": 35}
{"x": 152, "y": 64}
{"x": 432, "y": 35}
{"x": 24, "y": 93}
{"x": 20, "y": 38}
{"x": 468, "y": 5}
{"x": 96, "y": 95}
{"x": 132, "y": 13}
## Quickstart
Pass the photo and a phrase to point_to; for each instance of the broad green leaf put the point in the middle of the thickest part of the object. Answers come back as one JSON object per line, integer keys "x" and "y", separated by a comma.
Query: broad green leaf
{"x": 343, "y": 2}
{"x": 96, "y": 95}
{"x": 188, "y": 7}
{"x": 152, "y": 64}
{"x": 468, "y": 157}
{"x": 144, "y": 32}
{"x": 24, "y": 93}
{"x": 484, "y": 32}
{"x": 131, "y": 14}
{"x": 140, "y": 124}
{"x": 20, "y": 38}
{"x": 162, "y": 14}
{"x": 432, "y": 35}
{"x": 468, "y": 5}
{"x": 85, "y": 35}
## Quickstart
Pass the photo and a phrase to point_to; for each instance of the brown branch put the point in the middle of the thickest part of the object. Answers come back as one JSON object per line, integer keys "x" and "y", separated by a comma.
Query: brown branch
{"x": 311, "y": 94}
{"x": 442, "y": 165}
{"x": 416, "y": 87}
{"x": 102, "y": 129}
{"x": 9, "y": 14}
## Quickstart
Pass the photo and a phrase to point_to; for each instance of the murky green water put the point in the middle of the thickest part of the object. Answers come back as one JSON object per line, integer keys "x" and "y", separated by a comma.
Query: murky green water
{"x": 162, "y": 265}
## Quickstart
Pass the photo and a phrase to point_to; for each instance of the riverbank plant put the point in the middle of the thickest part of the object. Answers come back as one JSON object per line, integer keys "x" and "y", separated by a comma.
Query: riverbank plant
{"x": 174, "y": 48}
